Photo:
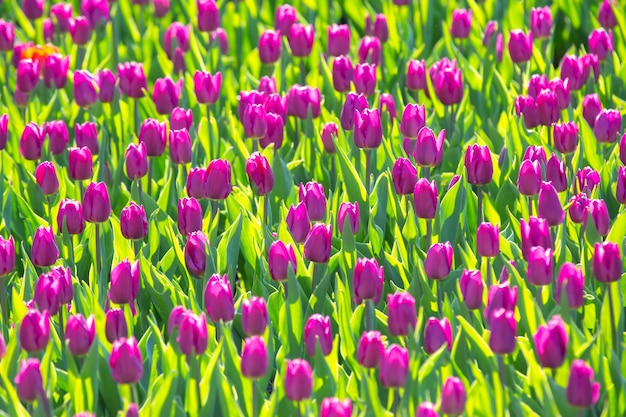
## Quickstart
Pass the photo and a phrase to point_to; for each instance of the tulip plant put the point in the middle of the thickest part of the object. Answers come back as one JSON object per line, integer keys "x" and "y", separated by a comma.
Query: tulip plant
{"x": 372, "y": 208}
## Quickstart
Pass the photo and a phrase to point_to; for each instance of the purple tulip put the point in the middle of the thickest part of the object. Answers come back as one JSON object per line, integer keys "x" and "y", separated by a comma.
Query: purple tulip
{"x": 338, "y": 40}
{"x": 401, "y": 314}
{"x": 461, "y": 23}
{"x": 541, "y": 22}
{"x": 436, "y": 334}
{"x": 520, "y": 46}
{"x": 218, "y": 299}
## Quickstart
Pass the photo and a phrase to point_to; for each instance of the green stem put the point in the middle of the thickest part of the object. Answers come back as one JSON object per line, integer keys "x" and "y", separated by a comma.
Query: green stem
{"x": 136, "y": 111}
{"x": 368, "y": 167}
{"x": 488, "y": 273}
{"x": 302, "y": 71}
{"x": 502, "y": 369}
{"x": 71, "y": 251}
{"x": 479, "y": 192}
{"x": 133, "y": 394}
{"x": 197, "y": 372}
{"x": 439, "y": 298}
{"x": 612, "y": 311}
{"x": 254, "y": 398}
{"x": 80, "y": 56}
{"x": 139, "y": 191}
{"x": 369, "y": 315}
{"x": 3, "y": 301}
{"x": 49, "y": 200}
{"x": 61, "y": 328}
{"x": 98, "y": 260}
{"x": 315, "y": 271}
{"x": 429, "y": 232}
{"x": 150, "y": 161}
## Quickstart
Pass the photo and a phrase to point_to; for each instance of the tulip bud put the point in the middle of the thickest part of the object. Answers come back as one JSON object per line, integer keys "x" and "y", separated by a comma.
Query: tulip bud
{"x": 587, "y": 179}
{"x": 80, "y": 163}
{"x": 279, "y": 257}
{"x": 31, "y": 141}
{"x": 317, "y": 328}
{"x": 535, "y": 232}
{"x": 503, "y": 332}
{"x": 404, "y": 176}
{"x": 275, "y": 131}
{"x": 565, "y": 137}
{"x": 352, "y": 213}
{"x": 298, "y": 222}
{"x": 606, "y": 15}
{"x": 96, "y": 11}
{"x": 300, "y": 39}
{"x": 607, "y": 262}
{"x": 343, "y": 74}
{"x": 370, "y": 350}
{"x": 354, "y": 103}
{"x": 572, "y": 282}
{"x": 333, "y": 407}
{"x": 436, "y": 334}
{"x": 520, "y": 46}
{"x": 600, "y": 216}
{"x": 448, "y": 85}
{"x": 472, "y": 288}
{"x": 416, "y": 76}
{"x": 207, "y": 87}
{"x": 284, "y": 17}
{"x": 369, "y": 280}
{"x": 541, "y": 22}
{"x": 527, "y": 107}
{"x": 269, "y": 47}
{"x": 80, "y": 334}
{"x": 7, "y": 256}
{"x": 218, "y": 299}
{"x": 189, "y": 216}
{"x": 133, "y": 222}
{"x": 500, "y": 297}
{"x": 154, "y": 135}
{"x": 536, "y": 84}
{"x": 115, "y": 325}
{"x": 166, "y": 94}
{"x": 425, "y": 198}
{"x": 96, "y": 203}
{"x": 248, "y": 98}
{"x": 27, "y": 75}
{"x": 254, "y": 316}
{"x": 562, "y": 91}
{"x": 7, "y": 36}
{"x": 317, "y": 245}
{"x": 298, "y": 380}
{"x": 195, "y": 253}
{"x": 267, "y": 85}
{"x": 555, "y": 174}
{"x": 368, "y": 131}
{"x": 58, "y": 135}
{"x": 180, "y": 146}
{"x": 365, "y": 79}
{"x": 254, "y": 360}
{"x": 329, "y": 133}
{"x": 254, "y": 121}
{"x": 535, "y": 154}
{"x": 181, "y": 119}
{"x": 426, "y": 409}
{"x": 192, "y": 334}
{"x": 46, "y": 176}
{"x": 607, "y": 125}
{"x": 540, "y": 266}
{"x": 217, "y": 183}
{"x": 47, "y": 293}
{"x": 401, "y": 316}
{"x": 453, "y": 397}
{"x": 438, "y": 263}
{"x": 461, "y": 23}
{"x": 28, "y": 381}
{"x": 302, "y": 101}
{"x": 208, "y": 16}
{"x": 35, "y": 331}
{"x": 126, "y": 362}
{"x": 44, "y": 251}
{"x": 600, "y": 43}
{"x": 551, "y": 342}
{"x": 370, "y": 50}
{"x": 85, "y": 94}
{"x": 136, "y": 160}
{"x": 124, "y": 282}
{"x": 478, "y": 165}
{"x": 549, "y": 207}
{"x": 260, "y": 173}
{"x": 394, "y": 367}
{"x": 591, "y": 108}
{"x": 620, "y": 191}
{"x": 582, "y": 391}
{"x": 428, "y": 150}
{"x": 413, "y": 120}
{"x": 488, "y": 240}
{"x": 338, "y": 40}
{"x": 195, "y": 183}
{"x": 547, "y": 108}
{"x": 132, "y": 79}
{"x": 312, "y": 195}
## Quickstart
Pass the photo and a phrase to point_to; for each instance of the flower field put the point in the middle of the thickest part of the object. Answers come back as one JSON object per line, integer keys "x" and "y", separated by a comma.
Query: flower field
{"x": 378, "y": 208}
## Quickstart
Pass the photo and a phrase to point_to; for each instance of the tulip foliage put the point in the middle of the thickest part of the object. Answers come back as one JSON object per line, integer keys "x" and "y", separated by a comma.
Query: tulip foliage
{"x": 335, "y": 208}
